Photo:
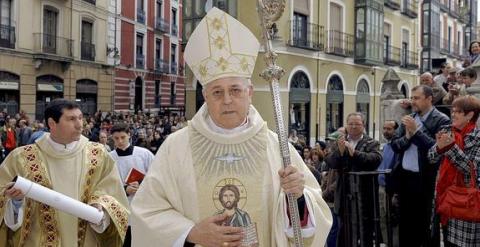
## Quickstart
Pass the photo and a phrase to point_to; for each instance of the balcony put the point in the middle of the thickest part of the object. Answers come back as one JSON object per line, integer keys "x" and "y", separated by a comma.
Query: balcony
{"x": 444, "y": 5}
{"x": 306, "y": 37}
{"x": 409, "y": 60}
{"x": 391, "y": 55}
{"x": 445, "y": 46}
{"x": 409, "y": 8}
{"x": 52, "y": 46}
{"x": 393, "y": 4}
{"x": 140, "y": 61}
{"x": 88, "y": 51}
{"x": 173, "y": 68}
{"x": 141, "y": 16}
{"x": 7, "y": 36}
{"x": 339, "y": 43}
{"x": 90, "y": 1}
{"x": 454, "y": 9}
{"x": 161, "y": 66}
{"x": 161, "y": 25}
{"x": 174, "y": 30}
{"x": 464, "y": 14}
{"x": 456, "y": 51}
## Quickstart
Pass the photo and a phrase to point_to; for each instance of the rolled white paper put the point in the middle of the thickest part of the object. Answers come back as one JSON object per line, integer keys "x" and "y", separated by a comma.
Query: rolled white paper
{"x": 57, "y": 200}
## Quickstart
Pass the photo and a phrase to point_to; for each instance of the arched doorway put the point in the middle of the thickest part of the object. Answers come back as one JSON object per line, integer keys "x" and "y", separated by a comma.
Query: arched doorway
{"x": 9, "y": 92}
{"x": 334, "y": 109}
{"x": 138, "y": 94}
{"x": 363, "y": 102}
{"x": 299, "y": 105}
{"x": 404, "y": 90}
{"x": 199, "y": 96}
{"x": 87, "y": 96}
{"x": 49, "y": 87}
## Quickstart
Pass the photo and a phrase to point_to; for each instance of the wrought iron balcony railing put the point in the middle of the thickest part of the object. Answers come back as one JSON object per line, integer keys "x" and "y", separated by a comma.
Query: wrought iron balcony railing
{"x": 161, "y": 25}
{"x": 444, "y": 5}
{"x": 140, "y": 61}
{"x": 409, "y": 59}
{"x": 88, "y": 51}
{"x": 52, "y": 44}
{"x": 7, "y": 36}
{"x": 161, "y": 66}
{"x": 410, "y": 8}
{"x": 173, "y": 68}
{"x": 454, "y": 9}
{"x": 339, "y": 43}
{"x": 391, "y": 55}
{"x": 308, "y": 36}
{"x": 174, "y": 30}
{"x": 393, "y": 4}
{"x": 445, "y": 46}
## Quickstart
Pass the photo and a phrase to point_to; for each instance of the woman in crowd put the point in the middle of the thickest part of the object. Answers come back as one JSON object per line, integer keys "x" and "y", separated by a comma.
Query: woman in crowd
{"x": 459, "y": 150}
{"x": 474, "y": 51}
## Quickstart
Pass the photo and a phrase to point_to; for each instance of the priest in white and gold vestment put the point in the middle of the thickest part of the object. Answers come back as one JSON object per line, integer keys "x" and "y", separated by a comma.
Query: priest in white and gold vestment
{"x": 220, "y": 181}
{"x": 65, "y": 161}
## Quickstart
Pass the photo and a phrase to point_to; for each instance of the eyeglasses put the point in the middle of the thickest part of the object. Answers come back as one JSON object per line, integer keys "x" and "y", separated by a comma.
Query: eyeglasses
{"x": 235, "y": 92}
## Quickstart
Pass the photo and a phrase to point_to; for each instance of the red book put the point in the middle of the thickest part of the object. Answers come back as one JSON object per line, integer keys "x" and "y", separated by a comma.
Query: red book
{"x": 134, "y": 175}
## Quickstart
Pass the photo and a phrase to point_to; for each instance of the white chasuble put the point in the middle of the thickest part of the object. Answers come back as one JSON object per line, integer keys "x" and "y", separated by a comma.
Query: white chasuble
{"x": 230, "y": 180}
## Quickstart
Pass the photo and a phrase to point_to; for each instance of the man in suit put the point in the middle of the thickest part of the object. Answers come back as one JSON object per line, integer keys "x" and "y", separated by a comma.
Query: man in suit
{"x": 415, "y": 175}
{"x": 354, "y": 153}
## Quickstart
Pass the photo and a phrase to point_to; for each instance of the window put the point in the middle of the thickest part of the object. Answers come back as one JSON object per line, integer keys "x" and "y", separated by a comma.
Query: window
{"x": 159, "y": 9}
{"x": 363, "y": 101}
{"x": 335, "y": 100}
{"x": 405, "y": 44}
{"x": 173, "y": 93}
{"x": 87, "y": 47}
{"x": 7, "y": 31}
{"x": 157, "y": 93}
{"x": 158, "y": 49}
{"x": 49, "y": 29}
{"x": 173, "y": 59}
{"x": 336, "y": 17}
{"x": 386, "y": 39}
{"x": 174, "y": 23}
{"x": 300, "y": 29}
{"x": 139, "y": 51}
{"x": 5, "y": 12}
{"x": 140, "y": 11}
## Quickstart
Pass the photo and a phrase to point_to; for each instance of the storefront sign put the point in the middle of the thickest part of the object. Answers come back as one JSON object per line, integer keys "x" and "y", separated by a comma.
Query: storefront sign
{"x": 8, "y": 85}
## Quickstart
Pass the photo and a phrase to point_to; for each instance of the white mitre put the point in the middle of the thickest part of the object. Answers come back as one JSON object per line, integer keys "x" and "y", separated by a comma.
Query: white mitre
{"x": 219, "y": 47}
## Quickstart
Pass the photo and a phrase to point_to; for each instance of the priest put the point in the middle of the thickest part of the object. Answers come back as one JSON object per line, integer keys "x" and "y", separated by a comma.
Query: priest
{"x": 220, "y": 181}
{"x": 65, "y": 161}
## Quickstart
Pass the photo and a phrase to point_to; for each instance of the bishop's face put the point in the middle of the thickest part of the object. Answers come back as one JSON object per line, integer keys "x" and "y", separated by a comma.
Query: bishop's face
{"x": 228, "y": 100}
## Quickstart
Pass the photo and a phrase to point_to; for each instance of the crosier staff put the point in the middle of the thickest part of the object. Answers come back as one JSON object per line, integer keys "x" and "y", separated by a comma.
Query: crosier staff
{"x": 270, "y": 11}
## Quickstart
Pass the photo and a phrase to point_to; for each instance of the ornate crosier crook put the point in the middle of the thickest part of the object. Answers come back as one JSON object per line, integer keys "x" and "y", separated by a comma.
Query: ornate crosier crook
{"x": 270, "y": 11}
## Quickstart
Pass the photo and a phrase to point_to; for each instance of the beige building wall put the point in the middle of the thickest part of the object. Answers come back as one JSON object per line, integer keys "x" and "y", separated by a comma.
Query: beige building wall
{"x": 28, "y": 61}
{"x": 320, "y": 67}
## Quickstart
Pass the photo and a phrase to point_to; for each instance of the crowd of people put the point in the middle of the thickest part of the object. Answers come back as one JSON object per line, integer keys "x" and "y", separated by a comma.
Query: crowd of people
{"x": 424, "y": 154}
{"x": 146, "y": 130}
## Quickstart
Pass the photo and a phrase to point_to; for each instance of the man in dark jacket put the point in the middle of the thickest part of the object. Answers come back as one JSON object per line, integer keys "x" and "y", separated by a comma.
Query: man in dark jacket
{"x": 354, "y": 153}
{"x": 416, "y": 176}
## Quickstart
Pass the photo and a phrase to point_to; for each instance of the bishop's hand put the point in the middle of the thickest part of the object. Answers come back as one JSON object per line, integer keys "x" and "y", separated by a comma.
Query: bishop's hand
{"x": 211, "y": 233}
{"x": 292, "y": 181}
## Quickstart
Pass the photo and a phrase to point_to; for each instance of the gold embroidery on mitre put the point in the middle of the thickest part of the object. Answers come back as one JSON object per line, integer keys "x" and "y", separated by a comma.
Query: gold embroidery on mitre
{"x": 223, "y": 59}
{"x": 217, "y": 23}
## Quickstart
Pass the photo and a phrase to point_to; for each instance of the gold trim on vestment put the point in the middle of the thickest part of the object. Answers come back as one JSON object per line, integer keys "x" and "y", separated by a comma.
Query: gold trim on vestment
{"x": 35, "y": 171}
